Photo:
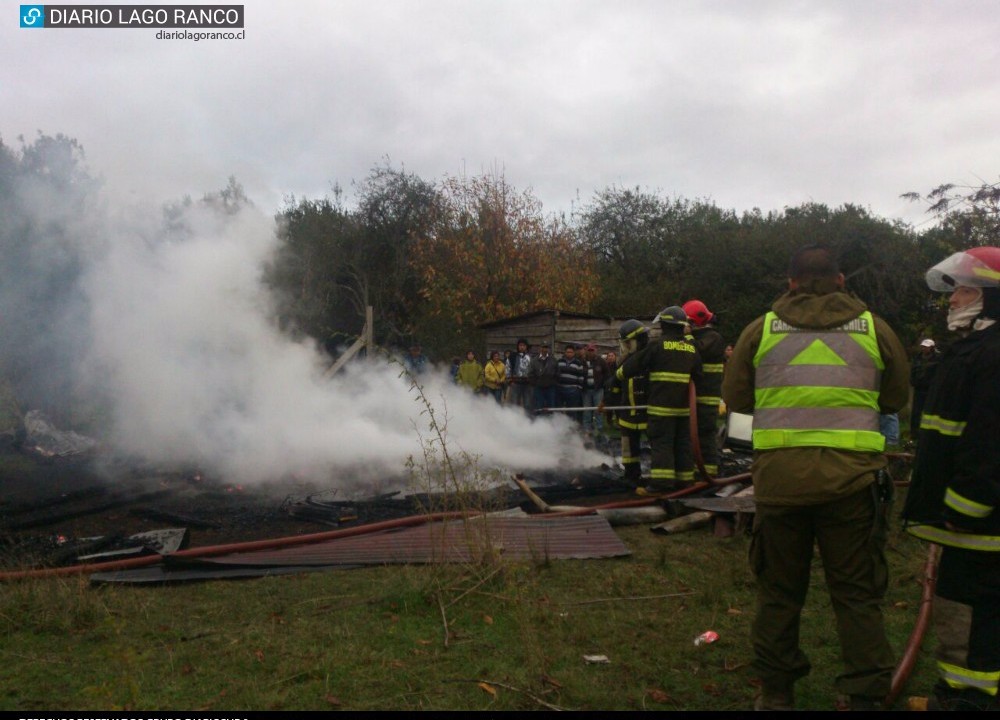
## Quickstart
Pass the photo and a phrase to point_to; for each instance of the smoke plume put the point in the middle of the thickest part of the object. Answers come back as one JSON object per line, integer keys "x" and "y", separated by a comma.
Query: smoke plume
{"x": 167, "y": 329}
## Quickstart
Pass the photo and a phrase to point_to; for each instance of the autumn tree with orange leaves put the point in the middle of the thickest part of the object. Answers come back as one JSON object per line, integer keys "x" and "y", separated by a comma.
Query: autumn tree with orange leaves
{"x": 490, "y": 254}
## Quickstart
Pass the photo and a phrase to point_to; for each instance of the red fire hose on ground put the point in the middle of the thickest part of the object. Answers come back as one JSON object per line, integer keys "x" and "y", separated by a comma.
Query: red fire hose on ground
{"x": 912, "y": 650}
{"x": 213, "y": 550}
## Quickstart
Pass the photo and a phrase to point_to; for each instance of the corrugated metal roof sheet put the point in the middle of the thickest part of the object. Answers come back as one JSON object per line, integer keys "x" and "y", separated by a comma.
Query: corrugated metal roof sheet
{"x": 588, "y": 536}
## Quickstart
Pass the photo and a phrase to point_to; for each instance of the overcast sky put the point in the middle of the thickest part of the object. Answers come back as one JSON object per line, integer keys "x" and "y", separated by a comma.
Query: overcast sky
{"x": 744, "y": 102}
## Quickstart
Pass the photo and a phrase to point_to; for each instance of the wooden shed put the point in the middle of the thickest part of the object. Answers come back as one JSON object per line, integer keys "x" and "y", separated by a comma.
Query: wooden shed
{"x": 558, "y": 328}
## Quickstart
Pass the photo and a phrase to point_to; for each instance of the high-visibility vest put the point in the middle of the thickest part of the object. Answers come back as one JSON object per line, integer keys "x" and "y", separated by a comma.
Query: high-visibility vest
{"x": 818, "y": 388}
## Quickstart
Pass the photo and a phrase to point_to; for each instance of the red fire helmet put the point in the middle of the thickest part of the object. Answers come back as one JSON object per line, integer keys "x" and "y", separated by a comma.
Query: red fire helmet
{"x": 976, "y": 267}
{"x": 697, "y": 313}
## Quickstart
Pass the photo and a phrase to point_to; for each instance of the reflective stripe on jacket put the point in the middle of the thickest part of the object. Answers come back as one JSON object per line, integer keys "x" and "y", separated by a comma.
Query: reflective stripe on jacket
{"x": 668, "y": 363}
{"x": 818, "y": 388}
{"x": 712, "y": 349}
{"x": 954, "y": 495}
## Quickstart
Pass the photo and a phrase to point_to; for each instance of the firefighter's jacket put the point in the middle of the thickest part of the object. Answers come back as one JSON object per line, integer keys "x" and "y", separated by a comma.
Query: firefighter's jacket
{"x": 668, "y": 363}
{"x": 795, "y": 476}
{"x": 956, "y": 475}
{"x": 712, "y": 349}
{"x": 630, "y": 393}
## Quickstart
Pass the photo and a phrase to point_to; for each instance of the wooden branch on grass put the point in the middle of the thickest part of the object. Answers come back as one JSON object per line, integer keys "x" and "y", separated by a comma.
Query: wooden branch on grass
{"x": 537, "y": 699}
{"x": 640, "y": 597}
{"x": 444, "y": 619}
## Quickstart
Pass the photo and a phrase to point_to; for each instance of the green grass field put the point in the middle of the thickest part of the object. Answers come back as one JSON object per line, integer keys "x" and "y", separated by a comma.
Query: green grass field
{"x": 501, "y": 636}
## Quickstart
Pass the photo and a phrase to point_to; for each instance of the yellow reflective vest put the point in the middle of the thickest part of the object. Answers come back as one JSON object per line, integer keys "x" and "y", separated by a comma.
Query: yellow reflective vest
{"x": 818, "y": 388}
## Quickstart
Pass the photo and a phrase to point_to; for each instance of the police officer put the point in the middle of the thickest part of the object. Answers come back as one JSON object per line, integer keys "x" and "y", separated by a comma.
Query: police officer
{"x": 816, "y": 371}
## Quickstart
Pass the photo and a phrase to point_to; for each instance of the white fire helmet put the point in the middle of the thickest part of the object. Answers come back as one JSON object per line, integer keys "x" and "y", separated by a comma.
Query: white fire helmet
{"x": 977, "y": 267}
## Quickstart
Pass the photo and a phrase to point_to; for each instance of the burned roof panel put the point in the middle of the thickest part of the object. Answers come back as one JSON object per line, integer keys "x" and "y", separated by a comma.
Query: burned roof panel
{"x": 461, "y": 541}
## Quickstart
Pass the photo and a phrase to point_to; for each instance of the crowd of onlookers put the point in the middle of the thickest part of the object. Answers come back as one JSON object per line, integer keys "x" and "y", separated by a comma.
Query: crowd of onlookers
{"x": 573, "y": 382}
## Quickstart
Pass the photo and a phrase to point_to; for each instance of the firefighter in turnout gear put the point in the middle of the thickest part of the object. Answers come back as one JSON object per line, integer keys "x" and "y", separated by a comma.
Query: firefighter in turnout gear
{"x": 712, "y": 349}
{"x": 816, "y": 371}
{"x": 955, "y": 488}
{"x": 669, "y": 363}
{"x": 633, "y": 336}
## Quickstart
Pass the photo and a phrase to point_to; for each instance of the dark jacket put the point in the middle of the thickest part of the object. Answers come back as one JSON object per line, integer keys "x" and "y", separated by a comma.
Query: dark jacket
{"x": 922, "y": 370}
{"x": 956, "y": 475}
{"x": 712, "y": 349}
{"x": 597, "y": 373}
{"x": 813, "y": 475}
{"x": 542, "y": 372}
{"x": 664, "y": 357}
{"x": 627, "y": 393}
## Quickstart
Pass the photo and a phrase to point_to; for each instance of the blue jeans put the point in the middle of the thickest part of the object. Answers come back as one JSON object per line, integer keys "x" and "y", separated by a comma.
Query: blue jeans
{"x": 520, "y": 394}
{"x": 568, "y": 396}
{"x": 592, "y": 397}
{"x": 545, "y": 397}
{"x": 888, "y": 425}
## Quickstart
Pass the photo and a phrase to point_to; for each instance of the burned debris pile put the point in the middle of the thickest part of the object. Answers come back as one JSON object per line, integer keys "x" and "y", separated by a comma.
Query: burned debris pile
{"x": 66, "y": 504}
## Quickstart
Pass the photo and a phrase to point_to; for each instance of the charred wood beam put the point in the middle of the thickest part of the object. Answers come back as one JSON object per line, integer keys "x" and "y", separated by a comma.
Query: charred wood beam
{"x": 166, "y": 516}
{"x": 21, "y": 508}
{"x": 71, "y": 513}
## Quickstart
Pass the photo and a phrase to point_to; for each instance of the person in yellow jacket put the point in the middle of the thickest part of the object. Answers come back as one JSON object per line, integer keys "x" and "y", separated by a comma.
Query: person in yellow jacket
{"x": 817, "y": 371}
{"x": 470, "y": 373}
{"x": 495, "y": 376}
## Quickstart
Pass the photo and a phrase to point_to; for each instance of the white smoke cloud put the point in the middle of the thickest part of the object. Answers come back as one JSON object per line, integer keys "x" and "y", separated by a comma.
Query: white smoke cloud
{"x": 184, "y": 345}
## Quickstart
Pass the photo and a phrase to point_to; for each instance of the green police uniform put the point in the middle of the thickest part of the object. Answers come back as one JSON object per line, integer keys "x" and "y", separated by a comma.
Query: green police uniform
{"x": 816, "y": 372}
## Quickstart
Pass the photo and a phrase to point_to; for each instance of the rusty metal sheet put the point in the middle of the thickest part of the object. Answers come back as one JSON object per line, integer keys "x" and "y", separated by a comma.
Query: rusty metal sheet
{"x": 529, "y": 538}
{"x": 744, "y": 504}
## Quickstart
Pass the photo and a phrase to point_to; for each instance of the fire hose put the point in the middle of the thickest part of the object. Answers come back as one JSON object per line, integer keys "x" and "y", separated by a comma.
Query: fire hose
{"x": 249, "y": 546}
{"x": 906, "y": 663}
{"x": 699, "y": 460}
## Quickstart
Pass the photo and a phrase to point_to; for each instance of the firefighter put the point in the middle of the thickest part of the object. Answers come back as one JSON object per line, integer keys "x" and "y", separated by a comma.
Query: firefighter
{"x": 712, "y": 349}
{"x": 632, "y": 337}
{"x": 669, "y": 364}
{"x": 955, "y": 488}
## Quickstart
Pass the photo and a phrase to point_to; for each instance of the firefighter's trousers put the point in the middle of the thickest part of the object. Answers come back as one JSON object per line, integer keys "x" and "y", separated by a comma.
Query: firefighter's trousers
{"x": 967, "y": 623}
{"x": 708, "y": 429}
{"x": 670, "y": 448}
{"x": 631, "y": 453}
